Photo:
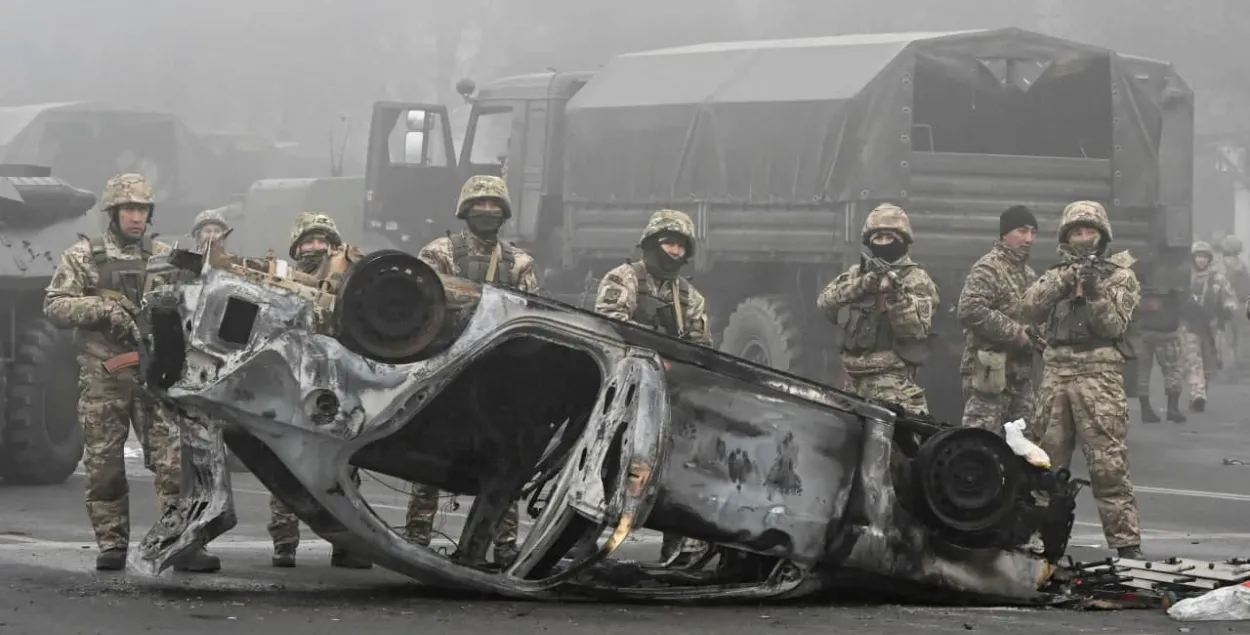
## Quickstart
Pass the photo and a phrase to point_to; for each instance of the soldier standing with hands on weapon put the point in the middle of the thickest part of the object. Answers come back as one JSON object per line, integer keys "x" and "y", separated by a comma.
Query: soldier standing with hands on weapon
{"x": 95, "y": 291}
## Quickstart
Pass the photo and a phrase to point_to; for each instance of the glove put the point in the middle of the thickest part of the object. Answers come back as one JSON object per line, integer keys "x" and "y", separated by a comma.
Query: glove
{"x": 869, "y": 282}
{"x": 1089, "y": 283}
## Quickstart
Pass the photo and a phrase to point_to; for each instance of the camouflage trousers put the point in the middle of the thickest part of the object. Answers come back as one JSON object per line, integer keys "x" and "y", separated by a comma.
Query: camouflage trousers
{"x": 1164, "y": 347}
{"x": 108, "y": 406}
{"x": 990, "y": 412}
{"x": 895, "y": 387}
{"x": 284, "y": 524}
{"x": 1092, "y": 410}
{"x": 423, "y": 505}
{"x": 1200, "y": 360}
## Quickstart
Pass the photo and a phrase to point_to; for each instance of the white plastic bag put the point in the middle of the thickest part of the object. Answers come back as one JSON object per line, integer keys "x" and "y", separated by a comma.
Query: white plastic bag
{"x": 1014, "y": 433}
{"x": 1223, "y": 604}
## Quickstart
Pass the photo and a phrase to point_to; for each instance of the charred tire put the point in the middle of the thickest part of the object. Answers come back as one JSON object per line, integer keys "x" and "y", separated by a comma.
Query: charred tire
{"x": 42, "y": 438}
{"x": 764, "y": 330}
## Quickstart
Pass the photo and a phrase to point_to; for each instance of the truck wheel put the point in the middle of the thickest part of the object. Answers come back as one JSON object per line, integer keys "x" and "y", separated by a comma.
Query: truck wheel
{"x": 42, "y": 438}
{"x": 764, "y": 330}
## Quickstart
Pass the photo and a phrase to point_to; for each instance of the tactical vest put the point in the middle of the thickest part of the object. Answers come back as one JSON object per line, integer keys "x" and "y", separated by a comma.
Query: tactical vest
{"x": 865, "y": 328}
{"x": 1159, "y": 312}
{"x": 654, "y": 311}
{"x": 1200, "y": 307}
{"x": 126, "y": 277}
{"x": 1070, "y": 324}
{"x": 475, "y": 266}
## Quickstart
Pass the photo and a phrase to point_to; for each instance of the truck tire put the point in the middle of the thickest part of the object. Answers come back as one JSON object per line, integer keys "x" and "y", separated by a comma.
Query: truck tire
{"x": 42, "y": 438}
{"x": 764, "y": 330}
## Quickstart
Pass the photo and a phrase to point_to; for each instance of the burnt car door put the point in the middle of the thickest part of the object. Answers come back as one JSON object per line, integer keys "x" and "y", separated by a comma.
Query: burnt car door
{"x": 411, "y": 175}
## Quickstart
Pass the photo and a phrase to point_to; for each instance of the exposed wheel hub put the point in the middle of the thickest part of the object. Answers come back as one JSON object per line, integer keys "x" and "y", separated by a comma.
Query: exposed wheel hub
{"x": 968, "y": 479}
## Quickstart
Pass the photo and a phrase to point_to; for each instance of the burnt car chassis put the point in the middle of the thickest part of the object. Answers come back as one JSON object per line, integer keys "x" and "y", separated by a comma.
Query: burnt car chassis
{"x": 599, "y": 427}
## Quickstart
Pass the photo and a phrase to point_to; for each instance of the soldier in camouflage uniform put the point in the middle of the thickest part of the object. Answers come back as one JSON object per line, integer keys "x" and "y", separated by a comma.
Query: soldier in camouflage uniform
{"x": 1210, "y": 305}
{"x": 477, "y": 254}
{"x": 1086, "y": 303}
{"x": 209, "y": 225}
{"x": 651, "y": 293}
{"x": 1158, "y": 318}
{"x": 313, "y": 236}
{"x": 1238, "y": 331}
{"x": 885, "y": 317}
{"x": 997, "y": 364}
{"x": 96, "y": 290}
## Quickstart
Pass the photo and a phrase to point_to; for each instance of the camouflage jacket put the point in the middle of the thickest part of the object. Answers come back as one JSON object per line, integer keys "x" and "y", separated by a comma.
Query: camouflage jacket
{"x": 69, "y": 304}
{"x": 910, "y": 309}
{"x": 618, "y": 293}
{"x": 1238, "y": 277}
{"x": 1212, "y": 291}
{"x": 440, "y": 254}
{"x": 1111, "y": 310}
{"x": 990, "y": 310}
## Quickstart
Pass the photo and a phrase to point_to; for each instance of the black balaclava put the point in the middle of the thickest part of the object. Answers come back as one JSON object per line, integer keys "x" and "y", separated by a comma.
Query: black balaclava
{"x": 890, "y": 252}
{"x": 485, "y": 225}
{"x": 1068, "y": 251}
{"x": 658, "y": 262}
{"x": 310, "y": 261}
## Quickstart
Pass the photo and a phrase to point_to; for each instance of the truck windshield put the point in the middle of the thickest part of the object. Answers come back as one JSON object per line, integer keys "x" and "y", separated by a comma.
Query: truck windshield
{"x": 491, "y": 137}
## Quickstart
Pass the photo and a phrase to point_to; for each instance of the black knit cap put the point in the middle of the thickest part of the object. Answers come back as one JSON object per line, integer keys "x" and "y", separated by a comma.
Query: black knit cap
{"x": 1015, "y": 217}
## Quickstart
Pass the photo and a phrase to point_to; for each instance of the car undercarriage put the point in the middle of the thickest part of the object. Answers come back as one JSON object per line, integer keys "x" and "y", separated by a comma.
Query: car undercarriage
{"x": 599, "y": 428}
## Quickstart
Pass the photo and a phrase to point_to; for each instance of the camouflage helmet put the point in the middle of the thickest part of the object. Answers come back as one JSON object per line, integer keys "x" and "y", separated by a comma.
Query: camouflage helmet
{"x": 313, "y": 223}
{"x": 1087, "y": 213}
{"x": 481, "y": 186}
{"x": 670, "y": 221}
{"x": 209, "y": 217}
{"x": 890, "y": 217}
{"x": 1201, "y": 247}
{"x": 1217, "y": 236}
{"x": 1231, "y": 245}
{"x": 126, "y": 189}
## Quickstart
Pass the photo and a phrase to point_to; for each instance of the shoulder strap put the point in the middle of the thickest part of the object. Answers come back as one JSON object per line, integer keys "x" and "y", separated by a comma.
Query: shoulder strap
{"x": 640, "y": 270}
{"x": 99, "y": 253}
{"x": 145, "y": 246}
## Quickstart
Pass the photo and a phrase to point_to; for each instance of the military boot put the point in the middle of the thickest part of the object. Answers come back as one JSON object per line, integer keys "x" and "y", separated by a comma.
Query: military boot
{"x": 1131, "y": 552}
{"x": 284, "y": 556}
{"x": 1174, "y": 408}
{"x": 1198, "y": 404}
{"x": 199, "y": 561}
{"x": 342, "y": 558}
{"x": 506, "y": 553}
{"x": 111, "y": 559}
{"x": 1148, "y": 414}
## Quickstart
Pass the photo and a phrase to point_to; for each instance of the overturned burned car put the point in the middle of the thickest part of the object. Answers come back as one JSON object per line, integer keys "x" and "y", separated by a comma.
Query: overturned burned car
{"x": 599, "y": 427}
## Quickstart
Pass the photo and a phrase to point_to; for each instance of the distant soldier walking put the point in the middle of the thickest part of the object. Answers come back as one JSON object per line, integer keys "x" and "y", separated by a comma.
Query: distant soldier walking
{"x": 97, "y": 290}
{"x": 1086, "y": 303}
{"x": 997, "y": 364}
{"x": 1211, "y": 303}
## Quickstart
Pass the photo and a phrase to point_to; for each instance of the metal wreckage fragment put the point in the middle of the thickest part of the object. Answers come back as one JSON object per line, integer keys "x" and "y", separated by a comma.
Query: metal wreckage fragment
{"x": 598, "y": 427}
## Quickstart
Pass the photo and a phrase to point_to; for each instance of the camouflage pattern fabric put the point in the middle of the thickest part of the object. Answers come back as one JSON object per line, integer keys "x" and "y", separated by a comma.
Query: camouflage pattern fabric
{"x": 618, "y": 298}
{"x": 307, "y": 223}
{"x": 483, "y": 186}
{"x": 108, "y": 405}
{"x": 284, "y": 524}
{"x": 209, "y": 217}
{"x": 887, "y": 217}
{"x": 1166, "y": 348}
{"x": 125, "y": 189}
{"x": 619, "y": 290}
{"x": 1081, "y": 397}
{"x": 1093, "y": 409}
{"x": 440, "y": 254}
{"x": 892, "y": 387}
{"x": 1202, "y": 339}
{"x": 1199, "y": 356}
{"x": 910, "y": 309}
{"x": 423, "y": 506}
{"x": 671, "y": 220}
{"x": 990, "y": 312}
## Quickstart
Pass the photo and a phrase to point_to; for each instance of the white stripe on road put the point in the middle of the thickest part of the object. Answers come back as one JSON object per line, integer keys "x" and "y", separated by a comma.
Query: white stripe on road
{"x": 1193, "y": 493}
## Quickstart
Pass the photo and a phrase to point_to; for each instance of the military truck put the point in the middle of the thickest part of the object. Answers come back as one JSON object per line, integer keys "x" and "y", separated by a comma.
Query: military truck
{"x": 779, "y": 149}
{"x": 40, "y": 217}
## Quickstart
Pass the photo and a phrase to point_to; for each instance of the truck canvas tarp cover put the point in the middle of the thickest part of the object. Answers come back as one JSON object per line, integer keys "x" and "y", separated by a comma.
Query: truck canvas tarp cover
{"x": 834, "y": 118}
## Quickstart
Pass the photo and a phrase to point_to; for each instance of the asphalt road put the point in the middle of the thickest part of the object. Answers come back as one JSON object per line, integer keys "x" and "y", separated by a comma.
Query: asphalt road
{"x": 1192, "y": 506}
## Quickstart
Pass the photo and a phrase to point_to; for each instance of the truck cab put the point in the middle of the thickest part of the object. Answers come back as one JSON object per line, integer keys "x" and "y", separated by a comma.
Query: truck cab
{"x": 413, "y": 174}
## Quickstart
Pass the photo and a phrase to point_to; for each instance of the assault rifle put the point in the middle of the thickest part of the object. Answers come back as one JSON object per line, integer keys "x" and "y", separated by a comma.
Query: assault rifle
{"x": 873, "y": 264}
